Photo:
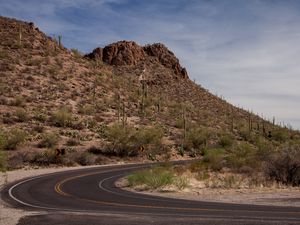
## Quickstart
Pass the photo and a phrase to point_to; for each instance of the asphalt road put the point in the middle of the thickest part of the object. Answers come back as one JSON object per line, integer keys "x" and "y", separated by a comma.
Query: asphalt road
{"x": 89, "y": 196}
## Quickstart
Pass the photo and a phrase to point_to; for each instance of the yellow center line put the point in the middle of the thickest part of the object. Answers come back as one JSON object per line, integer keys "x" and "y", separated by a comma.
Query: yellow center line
{"x": 58, "y": 189}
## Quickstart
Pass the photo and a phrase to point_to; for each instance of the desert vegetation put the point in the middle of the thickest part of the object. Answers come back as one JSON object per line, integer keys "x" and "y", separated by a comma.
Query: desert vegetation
{"x": 134, "y": 106}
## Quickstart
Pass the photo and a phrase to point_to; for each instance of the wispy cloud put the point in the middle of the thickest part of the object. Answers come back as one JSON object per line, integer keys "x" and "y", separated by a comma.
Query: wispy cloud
{"x": 248, "y": 51}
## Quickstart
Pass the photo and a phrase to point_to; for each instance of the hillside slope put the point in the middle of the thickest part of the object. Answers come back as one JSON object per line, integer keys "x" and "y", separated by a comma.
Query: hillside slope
{"x": 111, "y": 103}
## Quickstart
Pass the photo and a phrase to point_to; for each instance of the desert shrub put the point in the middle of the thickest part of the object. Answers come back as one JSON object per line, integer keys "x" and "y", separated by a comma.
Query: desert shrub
{"x": 214, "y": 159}
{"x": 196, "y": 166}
{"x": 14, "y": 138}
{"x": 226, "y": 141}
{"x": 40, "y": 116}
{"x": 38, "y": 128}
{"x": 3, "y": 54}
{"x": 265, "y": 148}
{"x": 121, "y": 140}
{"x": 45, "y": 158}
{"x": 76, "y": 53}
{"x": 95, "y": 150}
{"x": 85, "y": 158}
{"x": 62, "y": 118}
{"x": 156, "y": 178}
{"x": 150, "y": 138}
{"x": 72, "y": 142}
{"x": 49, "y": 140}
{"x": 2, "y": 140}
{"x": 18, "y": 101}
{"x": 280, "y": 135}
{"x": 241, "y": 155}
{"x": 86, "y": 109}
{"x": 196, "y": 139}
{"x": 284, "y": 167}
{"x": 181, "y": 182}
{"x": 126, "y": 140}
{"x": 21, "y": 115}
{"x": 179, "y": 123}
{"x": 3, "y": 161}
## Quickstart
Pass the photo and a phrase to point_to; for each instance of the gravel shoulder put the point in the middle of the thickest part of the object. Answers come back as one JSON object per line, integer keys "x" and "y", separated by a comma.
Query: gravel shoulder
{"x": 258, "y": 196}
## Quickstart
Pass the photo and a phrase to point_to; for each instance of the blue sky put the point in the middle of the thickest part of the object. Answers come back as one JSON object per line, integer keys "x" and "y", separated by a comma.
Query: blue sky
{"x": 245, "y": 50}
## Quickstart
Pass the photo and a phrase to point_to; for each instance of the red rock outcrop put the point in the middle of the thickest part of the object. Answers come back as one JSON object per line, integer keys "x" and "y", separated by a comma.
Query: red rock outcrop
{"x": 128, "y": 53}
{"x": 96, "y": 54}
{"x": 166, "y": 58}
{"x": 123, "y": 53}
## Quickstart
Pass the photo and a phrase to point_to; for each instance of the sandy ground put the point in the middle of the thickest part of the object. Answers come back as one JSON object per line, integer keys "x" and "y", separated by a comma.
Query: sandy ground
{"x": 258, "y": 196}
{"x": 11, "y": 216}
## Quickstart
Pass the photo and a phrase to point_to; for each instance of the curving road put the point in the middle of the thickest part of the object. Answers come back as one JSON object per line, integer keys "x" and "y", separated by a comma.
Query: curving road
{"x": 89, "y": 196}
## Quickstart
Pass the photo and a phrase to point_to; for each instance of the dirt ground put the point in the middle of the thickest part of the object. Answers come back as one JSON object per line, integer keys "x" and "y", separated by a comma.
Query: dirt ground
{"x": 258, "y": 196}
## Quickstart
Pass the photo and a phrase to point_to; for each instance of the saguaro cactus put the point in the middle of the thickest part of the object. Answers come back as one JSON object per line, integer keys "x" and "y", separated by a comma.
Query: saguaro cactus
{"x": 20, "y": 36}
{"x": 59, "y": 40}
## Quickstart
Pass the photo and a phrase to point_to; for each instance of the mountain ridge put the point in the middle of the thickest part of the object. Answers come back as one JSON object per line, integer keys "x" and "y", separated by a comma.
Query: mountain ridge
{"x": 47, "y": 89}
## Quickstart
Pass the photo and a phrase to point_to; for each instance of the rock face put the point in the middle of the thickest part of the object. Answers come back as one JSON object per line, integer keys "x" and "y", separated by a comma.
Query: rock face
{"x": 123, "y": 53}
{"x": 128, "y": 53}
{"x": 97, "y": 54}
{"x": 166, "y": 58}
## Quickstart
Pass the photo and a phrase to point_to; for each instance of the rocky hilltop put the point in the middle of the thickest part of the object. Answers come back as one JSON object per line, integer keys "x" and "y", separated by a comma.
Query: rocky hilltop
{"x": 128, "y": 53}
{"x": 108, "y": 104}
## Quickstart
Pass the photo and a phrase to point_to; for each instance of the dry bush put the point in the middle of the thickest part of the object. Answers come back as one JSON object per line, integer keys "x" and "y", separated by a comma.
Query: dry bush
{"x": 196, "y": 139}
{"x": 14, "y": 138}
{"x": 242, "y": 155}
{"x": 18, "y": 101}
{"x": 226, "y": 141}
{"x": 3, "y": 161}
{"x": 62, "y": 118}
{"x": 126, "y": 140}
{"x": 49, "y": 140}
{"x": 21, "y": 115}
{"x": 85, "y": 158}
{"x": 284, "y": 167}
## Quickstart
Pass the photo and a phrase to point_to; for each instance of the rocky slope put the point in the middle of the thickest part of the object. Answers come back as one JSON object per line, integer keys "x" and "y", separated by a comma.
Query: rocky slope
{"x": 56, "y": 98}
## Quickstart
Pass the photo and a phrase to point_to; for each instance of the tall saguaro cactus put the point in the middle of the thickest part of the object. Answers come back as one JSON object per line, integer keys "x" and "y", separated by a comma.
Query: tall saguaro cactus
{"x": 20, "y": 36}
{"x": 59, "y": 40}
{"x": 124, "y": 118}
{"x": 184, "y": 127}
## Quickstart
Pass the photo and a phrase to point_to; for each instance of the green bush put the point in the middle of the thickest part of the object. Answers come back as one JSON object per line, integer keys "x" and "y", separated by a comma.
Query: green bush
{"x": 86, "y": 109}
{"x": 149, "y": 137}
{"x": 121, "y": 140}
{"x": 181, "y": 182}
{"x": 243, "y": 154}
{"x": 45, "y": 158}
{"x": 226, "y": 141}
{"x": 214, "y": 159}
{"x": 21, "y": 115}
{"x": 280, "y": 135}
{"x": 49, "y": 140}
{"x": 72, "y": 142}
{"x": 196, "y": 139}
{"x": 14, "y": 138}
{"x": 126, "y": 140}
{"x": 3, "y": 161}
{"x": 265, "y": 148}
{"x": 156, "y": 178}
{"x": 62, "y": 118}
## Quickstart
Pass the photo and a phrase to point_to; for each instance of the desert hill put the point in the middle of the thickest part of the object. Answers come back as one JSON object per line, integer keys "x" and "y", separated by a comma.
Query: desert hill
{"x": 123, "y": 100}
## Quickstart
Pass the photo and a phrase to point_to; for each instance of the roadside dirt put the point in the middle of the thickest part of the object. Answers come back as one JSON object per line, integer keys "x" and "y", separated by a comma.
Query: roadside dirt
{"x": 257, "y": 196}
